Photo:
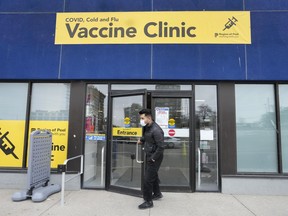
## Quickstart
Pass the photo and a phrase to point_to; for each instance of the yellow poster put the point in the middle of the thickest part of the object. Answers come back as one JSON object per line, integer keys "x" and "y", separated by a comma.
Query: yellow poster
{"x": 59, "y": 130}
{"x": 11, "y": 142}
{"x": 131, "y": 132}
{"x": 175, "y": 27}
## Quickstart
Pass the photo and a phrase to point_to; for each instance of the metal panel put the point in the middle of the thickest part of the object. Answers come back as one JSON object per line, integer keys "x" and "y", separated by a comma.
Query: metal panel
{"x": 106, "y": 62}
{"x": 267, "y": 55}
{"x": 27, "y": 49}
{"x": 227, "y": 128}
{"x": 122, "y": 93}
{"x": 251, "y": 5}
{"x": 172, "y": 94}
{"x": 31, "y": 6}
{"x": 76, "y": 123}
{"x": 200, "y": 5}
{"x": 255, "y": 186}
{"x": 39, "y": 159}
{"x": 107, "y": 5}
{"x": 199, "y": 62}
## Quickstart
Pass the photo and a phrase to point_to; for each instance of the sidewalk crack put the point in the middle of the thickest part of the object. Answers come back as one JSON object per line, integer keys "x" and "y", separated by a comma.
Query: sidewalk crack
{"x": 244, "y": 205}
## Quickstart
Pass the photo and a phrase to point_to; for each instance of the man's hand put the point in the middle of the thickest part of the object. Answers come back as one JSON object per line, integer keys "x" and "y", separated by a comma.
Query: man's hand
{"x": 139, "y": 142}
{"x": 151, "y": 161}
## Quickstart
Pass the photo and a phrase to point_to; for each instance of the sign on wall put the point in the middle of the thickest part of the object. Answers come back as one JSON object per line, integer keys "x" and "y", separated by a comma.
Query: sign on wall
{"x": 182, "y": 27}
{"x": 11, "y": 142}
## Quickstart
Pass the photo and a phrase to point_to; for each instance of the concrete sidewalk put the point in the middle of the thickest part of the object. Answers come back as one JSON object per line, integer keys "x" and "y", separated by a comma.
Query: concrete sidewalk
{"x": 103, "y": 203}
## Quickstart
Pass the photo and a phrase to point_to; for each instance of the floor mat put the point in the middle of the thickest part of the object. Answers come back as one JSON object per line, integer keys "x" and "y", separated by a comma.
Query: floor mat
{"x": 171, "y": 177}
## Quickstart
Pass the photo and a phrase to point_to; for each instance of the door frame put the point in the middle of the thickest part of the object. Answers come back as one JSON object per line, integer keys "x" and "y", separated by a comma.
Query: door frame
{"x": 116, "y": 94}
{"x": 189, "y": 95}
{"x": 148, "y": 102}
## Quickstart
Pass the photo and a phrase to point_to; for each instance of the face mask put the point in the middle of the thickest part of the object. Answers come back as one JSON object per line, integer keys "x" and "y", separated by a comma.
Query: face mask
{"x": 142, "y": 123}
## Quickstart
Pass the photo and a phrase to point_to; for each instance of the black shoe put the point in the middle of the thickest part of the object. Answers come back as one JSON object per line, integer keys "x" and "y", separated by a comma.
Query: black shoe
{"x": 146, "y": 204}
{"x": 157, "y": 196}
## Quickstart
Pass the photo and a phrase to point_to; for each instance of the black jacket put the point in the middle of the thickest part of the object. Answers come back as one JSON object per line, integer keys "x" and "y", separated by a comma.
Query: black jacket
{"x": 153, "y": 140}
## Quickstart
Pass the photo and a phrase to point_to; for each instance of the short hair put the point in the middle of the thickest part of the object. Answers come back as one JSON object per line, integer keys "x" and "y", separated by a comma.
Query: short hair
{"x": 146, "y": 112}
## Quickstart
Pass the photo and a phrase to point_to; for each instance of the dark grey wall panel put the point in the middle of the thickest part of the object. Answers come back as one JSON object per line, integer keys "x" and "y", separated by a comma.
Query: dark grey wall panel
{"x": 227, "y": 129}
{"x": 76, "y": 123}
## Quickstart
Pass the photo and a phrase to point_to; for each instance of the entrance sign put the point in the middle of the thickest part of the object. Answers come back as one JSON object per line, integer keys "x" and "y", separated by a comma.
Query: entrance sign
{"x": 181, "y": 27}
{"x": 131, "y": 132}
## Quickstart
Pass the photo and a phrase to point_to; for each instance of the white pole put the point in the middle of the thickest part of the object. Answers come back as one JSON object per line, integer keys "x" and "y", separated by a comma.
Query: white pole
{"x": 63, "y": 176}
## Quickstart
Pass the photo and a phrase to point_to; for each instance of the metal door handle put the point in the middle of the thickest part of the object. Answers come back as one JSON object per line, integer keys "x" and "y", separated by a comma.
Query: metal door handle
{"x": 137, "y": 154}
{"x": 199, "y": 167}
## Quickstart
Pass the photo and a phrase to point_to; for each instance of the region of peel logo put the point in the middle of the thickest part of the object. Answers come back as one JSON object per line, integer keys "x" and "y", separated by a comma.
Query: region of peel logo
{"x": 228, "y": 25}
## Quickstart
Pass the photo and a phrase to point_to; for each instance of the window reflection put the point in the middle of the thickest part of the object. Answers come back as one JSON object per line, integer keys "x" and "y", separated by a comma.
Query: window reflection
{"x": 283, "y": 101}
{"x": 256, "y": 128}
{"x": 95, "y": 137}
{"x": 206, "y": 138}
{"x": 13, "y": 100}
{"x": 50, "y": 101}
{"x": 174, "y": 170}
{"x": 125, "y": 171}
{"x": 50, "y": 111}
{"x": 13, "y": 103}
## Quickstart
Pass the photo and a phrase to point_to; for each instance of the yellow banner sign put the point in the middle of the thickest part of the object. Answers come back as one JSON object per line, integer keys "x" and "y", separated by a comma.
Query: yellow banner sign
{"x": 202, "y": 27}
{"x": 131, "y": 132}
{"x": 11, "y": 142}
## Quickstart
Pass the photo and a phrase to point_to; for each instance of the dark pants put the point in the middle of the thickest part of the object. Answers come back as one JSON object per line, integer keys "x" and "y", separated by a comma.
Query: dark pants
{"x": 151, "y": 179}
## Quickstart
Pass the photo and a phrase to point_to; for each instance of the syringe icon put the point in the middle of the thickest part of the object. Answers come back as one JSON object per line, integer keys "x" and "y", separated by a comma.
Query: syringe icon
{"x": 230, "y": 23}
{"x": 7, "y": 146}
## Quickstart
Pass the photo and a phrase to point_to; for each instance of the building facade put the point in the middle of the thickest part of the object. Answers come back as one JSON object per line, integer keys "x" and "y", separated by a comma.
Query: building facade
{"x": 223, "y": 107}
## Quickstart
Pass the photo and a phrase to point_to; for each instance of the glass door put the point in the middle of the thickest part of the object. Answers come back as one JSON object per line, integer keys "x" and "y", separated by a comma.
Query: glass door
{"x": 172, "y": 113}
{"x": 126, "y": 169}
{"x": 206, "y": 138}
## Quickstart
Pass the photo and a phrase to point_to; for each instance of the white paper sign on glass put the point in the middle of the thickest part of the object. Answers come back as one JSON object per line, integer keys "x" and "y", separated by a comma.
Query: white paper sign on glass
{"x": 206, "y": 135}
{"x": 162, "y": 116}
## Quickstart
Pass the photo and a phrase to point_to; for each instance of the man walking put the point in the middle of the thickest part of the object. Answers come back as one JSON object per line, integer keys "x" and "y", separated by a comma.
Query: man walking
{"x": 153, "y": 139}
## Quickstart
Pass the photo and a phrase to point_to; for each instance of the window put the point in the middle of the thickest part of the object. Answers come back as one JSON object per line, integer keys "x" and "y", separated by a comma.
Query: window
{"x": 283, "y": 101}
{"x": 50, "y": 111}
{"x": 256, "y": 128}
{"x": 95, "y": 138}
{"x": 206, "y": 138}
{"x": 13, "y": 103}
